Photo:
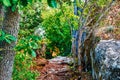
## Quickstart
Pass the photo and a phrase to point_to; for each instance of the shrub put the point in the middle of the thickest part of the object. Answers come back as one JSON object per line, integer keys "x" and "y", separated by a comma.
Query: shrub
{"x": 21, "y": 69}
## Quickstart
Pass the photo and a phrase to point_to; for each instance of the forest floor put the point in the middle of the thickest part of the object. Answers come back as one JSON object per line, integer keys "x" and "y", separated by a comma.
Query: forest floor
{"x": 58, "y": 69}
{"x": 110, "y": 32}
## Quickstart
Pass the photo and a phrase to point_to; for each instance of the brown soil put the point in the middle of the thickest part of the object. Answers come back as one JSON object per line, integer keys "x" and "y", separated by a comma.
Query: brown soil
{"x": 54, "y": 71}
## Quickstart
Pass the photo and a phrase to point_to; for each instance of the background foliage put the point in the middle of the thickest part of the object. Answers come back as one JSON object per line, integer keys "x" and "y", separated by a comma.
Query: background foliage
{"x": 58, "y": 29}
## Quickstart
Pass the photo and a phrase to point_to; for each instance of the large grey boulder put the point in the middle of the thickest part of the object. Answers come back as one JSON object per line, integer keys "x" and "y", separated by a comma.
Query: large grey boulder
{"x": 106, "y": 60}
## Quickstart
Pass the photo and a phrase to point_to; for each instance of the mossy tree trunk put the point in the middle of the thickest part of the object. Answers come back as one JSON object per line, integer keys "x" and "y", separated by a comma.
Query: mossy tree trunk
{"x": 10, "y": 26}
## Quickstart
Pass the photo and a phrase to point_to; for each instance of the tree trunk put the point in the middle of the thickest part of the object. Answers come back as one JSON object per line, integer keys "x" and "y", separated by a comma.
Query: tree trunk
{"x": 10, "y": 26}
{"x": 1, "y": 16}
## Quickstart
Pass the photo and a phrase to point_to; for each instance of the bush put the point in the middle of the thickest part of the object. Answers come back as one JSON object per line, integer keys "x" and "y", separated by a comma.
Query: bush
{"x": 58, "y": 29}
{"x": 21, "y": 69}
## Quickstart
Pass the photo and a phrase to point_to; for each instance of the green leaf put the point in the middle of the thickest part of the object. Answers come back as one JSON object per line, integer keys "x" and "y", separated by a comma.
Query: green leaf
{"x": 52, "y": 3}
{"x": 8, "y": 41}
{"x": 18, "y": 48}
{"x": 7, "y": 3}
{"x": 14, "y": 1}
{"x": 30, "y": 1}
{"x": 33, "y": 45}
{"x": 36, "y": 38}
{"x": 10, "y": 37}
{"x": 13, "y": 8}
{"x": 2, "y": 35}
{"x": 33, "y": 53}
{"x": 24, "y": 2}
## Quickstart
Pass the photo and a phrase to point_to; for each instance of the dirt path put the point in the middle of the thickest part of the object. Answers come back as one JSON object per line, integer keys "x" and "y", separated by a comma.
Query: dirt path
{"x": 58, "y": 68}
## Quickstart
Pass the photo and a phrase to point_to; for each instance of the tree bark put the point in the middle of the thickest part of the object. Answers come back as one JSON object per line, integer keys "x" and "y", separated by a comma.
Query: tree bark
{"x": 1, "y": 16}
{"x": 10, "y": 26}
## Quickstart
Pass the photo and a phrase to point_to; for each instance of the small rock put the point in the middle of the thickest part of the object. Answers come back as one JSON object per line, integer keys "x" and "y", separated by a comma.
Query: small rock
{"x": 61, "y": 60}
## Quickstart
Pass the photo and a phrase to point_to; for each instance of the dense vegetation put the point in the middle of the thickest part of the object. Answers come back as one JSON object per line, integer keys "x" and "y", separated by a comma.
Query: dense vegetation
{"x": 51, "y": 23}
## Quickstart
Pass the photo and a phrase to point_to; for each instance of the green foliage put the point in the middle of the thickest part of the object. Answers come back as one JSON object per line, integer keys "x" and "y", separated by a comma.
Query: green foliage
{"x": 29, "y": 44}
{"x": 29, "y": 22}
{"x": 17, "y": 4}
{"x": 31, "y": 17}
{"x": 6, "y": 3}
{"x": 6, "y": 37}
{"x": 58, "y": 29}
{"x": 25, "y": 2}
{"x": 52, "y": 3}
{"x": 109, "y": 29}
{"x": 22, "y": 64}
{"x": 9, "y": 3}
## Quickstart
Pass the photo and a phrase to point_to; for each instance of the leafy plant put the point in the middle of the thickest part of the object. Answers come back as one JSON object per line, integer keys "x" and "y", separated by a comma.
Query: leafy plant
{"x": 22, "y": 64}
{"x": 31, "y": 18}
{"x": 29, "y": 44}
{"x": 52, "y": 3}
{"x": 6, "y": 2}
{"x": 6, "y": 37}
{"x": 58, "y": 29}
{"x": 109, "y": 29}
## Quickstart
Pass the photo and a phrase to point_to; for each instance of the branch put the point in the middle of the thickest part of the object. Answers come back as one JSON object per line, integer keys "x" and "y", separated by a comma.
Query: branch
{"x": 97, "y": 22}
{"x": 81, "y": 16}
{"x": 103, "y": 13}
